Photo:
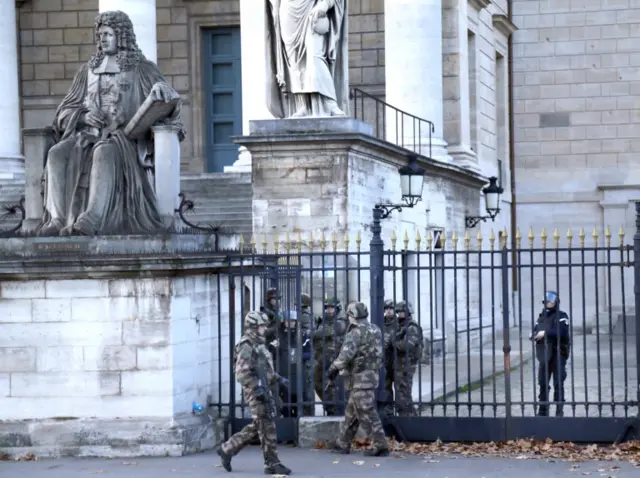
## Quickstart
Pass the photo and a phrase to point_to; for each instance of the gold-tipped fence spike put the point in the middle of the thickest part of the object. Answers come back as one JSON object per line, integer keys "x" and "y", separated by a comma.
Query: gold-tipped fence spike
{"x": 287, "y": 242}
{"x": 346, "y": 241}
{"x": 241, "y": 243}
{"x": 569, "y": 237}
{"x": 543, "y": 237}
{"x": 276, "y": 243}
{"x": 299, "y": 242}
{"x": 556, "y": 238}
{"x": 531, "y": 236}
{"x": 479, "y": 239}
{"x": 429, "y": 240}
{"x": 595, "y": 236}
{"x": 358, "y": 240}
{"x": 252, "y": 243}
{"x": 607, "y": 236}
{"x": 467, "y": 241}
{"x": 582, "y": 235}
{"x": 454, "y": 240}
{"x": 265, "y": 244}
{"x": 518, "y": 238}
{"x": 418, "y": 240}
{"x": 405, "y": 240}
{"x": 334, "y": 242}
{"x": 621, "y": 236}
{"x": 311, "y": 241}
{"x": 492, "y": 239}
{"x": 504, "y": 238}
{"x": 323, "y": 241}
{"x": 394, "y": 239}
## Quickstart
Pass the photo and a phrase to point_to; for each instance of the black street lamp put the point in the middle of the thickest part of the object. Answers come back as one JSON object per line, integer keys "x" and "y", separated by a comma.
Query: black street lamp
{"x": 491, "y": 201}
{"x": 411, "y": 184}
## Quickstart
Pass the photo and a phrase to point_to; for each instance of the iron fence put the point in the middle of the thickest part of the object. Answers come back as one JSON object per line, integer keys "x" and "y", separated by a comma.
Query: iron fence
{"x": 476, "y": 301}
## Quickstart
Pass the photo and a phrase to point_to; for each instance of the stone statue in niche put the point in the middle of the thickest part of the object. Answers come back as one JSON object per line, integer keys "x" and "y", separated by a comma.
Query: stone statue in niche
{"x": 98, "y": 176}
{"x": 307, "y": 70}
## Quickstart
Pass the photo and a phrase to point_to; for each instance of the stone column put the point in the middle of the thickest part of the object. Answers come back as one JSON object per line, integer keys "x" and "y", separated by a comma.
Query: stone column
{"x": 254, "y": 73}
{"x": 167, "y": 171}
{"x": 11, "y": 160}
{"x": 413, "y": 69}
{"x": 143, "y": 16}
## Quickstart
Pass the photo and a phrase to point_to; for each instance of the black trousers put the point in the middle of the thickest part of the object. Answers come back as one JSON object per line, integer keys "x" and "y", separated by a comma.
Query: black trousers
{"x": 553, "y": 371}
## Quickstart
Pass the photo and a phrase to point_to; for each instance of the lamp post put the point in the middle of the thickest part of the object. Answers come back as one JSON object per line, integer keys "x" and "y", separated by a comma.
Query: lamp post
{"x": 411, "y": 185}
{"x": 491, "y": 201}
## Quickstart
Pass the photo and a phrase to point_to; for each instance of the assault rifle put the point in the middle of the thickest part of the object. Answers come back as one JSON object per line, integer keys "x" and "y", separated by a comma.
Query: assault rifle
{"x": 263, "y": 384}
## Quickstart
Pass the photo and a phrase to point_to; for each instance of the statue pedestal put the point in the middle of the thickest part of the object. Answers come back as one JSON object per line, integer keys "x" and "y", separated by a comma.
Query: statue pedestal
{"x": 107, "y": 341}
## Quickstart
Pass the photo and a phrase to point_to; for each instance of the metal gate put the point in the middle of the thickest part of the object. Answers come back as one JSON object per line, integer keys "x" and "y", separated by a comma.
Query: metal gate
{"x": 476, "y": 300}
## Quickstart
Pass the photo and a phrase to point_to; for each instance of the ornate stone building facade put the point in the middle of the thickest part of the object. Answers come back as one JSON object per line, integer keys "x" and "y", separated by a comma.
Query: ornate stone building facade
{"x": 211, "y": 52}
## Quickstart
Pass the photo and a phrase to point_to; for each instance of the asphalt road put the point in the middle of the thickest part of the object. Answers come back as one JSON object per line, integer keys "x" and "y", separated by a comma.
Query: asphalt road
{"x": 315, "y": 464}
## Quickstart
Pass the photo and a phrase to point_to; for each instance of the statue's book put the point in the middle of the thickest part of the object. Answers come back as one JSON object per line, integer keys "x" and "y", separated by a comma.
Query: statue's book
{"x": 149, "y": 113}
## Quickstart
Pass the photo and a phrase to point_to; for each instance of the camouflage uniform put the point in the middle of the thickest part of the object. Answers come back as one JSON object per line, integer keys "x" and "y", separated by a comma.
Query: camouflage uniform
{"x": 360, "y": 360}
{"x": 274, "y": 313}
{"x": 307, "y": 325}
{"x": 254, "y": 371}
{"x": 327, "y": 341}
{"x": 390, "y": 324}
{"x": 402, "y": 355}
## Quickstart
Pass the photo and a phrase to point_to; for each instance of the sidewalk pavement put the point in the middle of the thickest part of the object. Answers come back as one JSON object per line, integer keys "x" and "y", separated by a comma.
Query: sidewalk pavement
{"x": 315, "y": 464}
{"x": 607, "y": 373}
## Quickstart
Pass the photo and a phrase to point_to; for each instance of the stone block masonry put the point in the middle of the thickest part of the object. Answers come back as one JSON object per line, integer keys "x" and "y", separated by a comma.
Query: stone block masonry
{"x": 110, "y": 363}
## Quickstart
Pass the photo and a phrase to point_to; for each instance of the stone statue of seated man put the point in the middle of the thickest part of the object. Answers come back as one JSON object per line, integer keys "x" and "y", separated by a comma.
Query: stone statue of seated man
{"x": 96, "y": 178}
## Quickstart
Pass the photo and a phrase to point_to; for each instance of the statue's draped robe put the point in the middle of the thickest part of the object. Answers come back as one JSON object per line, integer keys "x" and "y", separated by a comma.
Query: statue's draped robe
{"x": 313, "y": 64}
{"x": 126, "y": 196}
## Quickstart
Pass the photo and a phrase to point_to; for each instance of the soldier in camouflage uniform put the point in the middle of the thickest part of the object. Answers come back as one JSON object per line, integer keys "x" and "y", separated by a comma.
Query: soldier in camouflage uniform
{"x": 307, "y": 326}
{"x": 402, "y": 358}
{"x": 327, "y": 341}
{"x": 254, "y": 371}
{"x": 274, "y": 313}
{"x": 360, "y": 360}
{"x": 390, "y": 325}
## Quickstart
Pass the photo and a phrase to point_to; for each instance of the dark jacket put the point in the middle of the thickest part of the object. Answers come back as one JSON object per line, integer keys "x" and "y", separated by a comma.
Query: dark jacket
{"x": 557, "y": 335}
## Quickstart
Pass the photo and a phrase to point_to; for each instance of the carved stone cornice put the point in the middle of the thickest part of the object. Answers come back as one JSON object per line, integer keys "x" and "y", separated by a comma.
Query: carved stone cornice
{"x": 479, "y": 4}
{"x": 503, "y": 25}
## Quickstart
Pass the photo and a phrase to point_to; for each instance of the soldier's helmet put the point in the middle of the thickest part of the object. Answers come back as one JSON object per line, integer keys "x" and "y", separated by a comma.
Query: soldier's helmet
{"x": 333, "y": 302}
{"x": 358, "y": 310}
{"x": 405, "y": 307}
{"x": 305, "y": 300}
{"x": 272, "y": 293}
{"x": 254, "y": 319}
{"x": 388, "y": 304}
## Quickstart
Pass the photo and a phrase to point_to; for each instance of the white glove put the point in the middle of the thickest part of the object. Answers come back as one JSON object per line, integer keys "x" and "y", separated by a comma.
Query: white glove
{"x": 539, "y": 335}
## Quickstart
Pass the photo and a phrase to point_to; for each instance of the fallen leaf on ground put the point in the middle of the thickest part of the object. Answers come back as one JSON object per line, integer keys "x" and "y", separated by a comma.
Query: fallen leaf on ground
{"x": 376, "y": 465}
{"x": 129, "y": 463}
{"x": 336, "y": 462}
{"x": 4, "y": 456}
{"x": 360, "y": 462}
{"x": 27, "y": 457}
{"x": 516, "y": 449}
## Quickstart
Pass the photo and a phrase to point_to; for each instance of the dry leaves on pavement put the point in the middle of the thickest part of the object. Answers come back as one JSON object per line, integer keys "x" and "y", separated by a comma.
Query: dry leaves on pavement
{"x": 517, "y": 449}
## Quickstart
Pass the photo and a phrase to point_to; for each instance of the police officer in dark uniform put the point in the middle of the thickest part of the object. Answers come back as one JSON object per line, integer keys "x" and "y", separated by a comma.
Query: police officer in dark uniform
{"x": 553, "y": 342}
{"x": 294, "y": 352}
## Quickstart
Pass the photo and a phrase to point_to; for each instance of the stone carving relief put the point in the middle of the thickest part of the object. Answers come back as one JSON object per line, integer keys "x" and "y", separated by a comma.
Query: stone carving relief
{"x": 307, "y": 71}
{"x": 98, "y": 176}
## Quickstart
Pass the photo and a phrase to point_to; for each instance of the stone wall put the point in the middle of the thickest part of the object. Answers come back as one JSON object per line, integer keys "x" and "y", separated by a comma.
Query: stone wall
{"x": 107, "y": 348}
{"x": 575, "y": 98}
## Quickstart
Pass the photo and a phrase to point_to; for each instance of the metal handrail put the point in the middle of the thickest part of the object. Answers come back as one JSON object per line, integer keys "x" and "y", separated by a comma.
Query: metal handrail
{"x": 416, "y": 124}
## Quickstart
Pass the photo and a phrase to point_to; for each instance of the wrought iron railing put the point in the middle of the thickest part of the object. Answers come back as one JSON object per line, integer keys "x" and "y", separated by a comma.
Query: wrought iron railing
{"x": 392, "y": 124}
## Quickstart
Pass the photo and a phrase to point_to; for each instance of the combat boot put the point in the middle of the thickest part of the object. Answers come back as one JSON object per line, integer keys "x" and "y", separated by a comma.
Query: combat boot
{"x": 334, "y": 447}
{"x": 277, "y": 469}
{"x": 377, "y": 452}
{"x": 225, "y": 459}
